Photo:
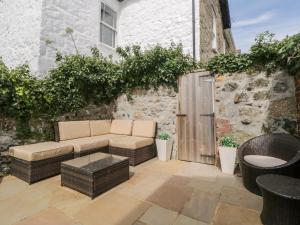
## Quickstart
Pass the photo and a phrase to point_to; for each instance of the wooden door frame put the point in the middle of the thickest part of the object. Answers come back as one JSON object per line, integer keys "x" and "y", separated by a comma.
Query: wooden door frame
{"x": 179, "y": 112}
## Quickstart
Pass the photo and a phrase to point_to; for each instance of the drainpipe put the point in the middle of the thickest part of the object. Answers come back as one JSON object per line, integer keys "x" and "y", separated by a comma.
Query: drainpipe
{"x": 194, "y": 28}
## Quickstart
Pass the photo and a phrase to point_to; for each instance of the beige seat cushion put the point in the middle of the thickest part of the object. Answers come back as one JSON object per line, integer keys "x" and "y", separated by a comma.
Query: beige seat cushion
{"x": 121, "y": 127}
{"x": 144, "y": 128}
{"x": 130, "y": 142}
{"x": 100, "y": 127}
{"x": 264, "y": 161}
{"x": 40, "y": 151}
{"x": 74, "y": 129}
{"x": 87, "y": 143}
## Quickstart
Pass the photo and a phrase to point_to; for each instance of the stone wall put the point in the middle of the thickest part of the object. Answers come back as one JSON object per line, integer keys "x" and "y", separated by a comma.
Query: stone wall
{"x": 249, "y": 105}
{"x": 207, "y": 9}
{"x": 159, "y": 105}
{"x": 155, "y": 105}
{"x": 20, "y": 26}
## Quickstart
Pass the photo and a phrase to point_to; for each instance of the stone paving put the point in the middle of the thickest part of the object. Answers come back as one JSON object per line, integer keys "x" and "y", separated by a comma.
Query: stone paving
{"x": 158, "y": 193}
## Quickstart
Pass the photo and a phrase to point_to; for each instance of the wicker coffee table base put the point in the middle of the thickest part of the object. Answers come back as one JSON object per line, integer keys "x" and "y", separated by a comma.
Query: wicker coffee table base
{"x": 94, "y": 184}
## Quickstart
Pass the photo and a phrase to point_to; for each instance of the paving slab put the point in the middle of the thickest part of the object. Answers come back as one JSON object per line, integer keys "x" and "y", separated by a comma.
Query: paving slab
{"x": 205, "y": 185}
{"x": 233, "y": 215}
{"x": 144, "y": 186}
{"x": 48, "y": 217}
{"x": 199, "y": 171}
{"x": 183, "y": 220}
{"x": 68, "y": 201}
{"x": 230, "y": 180}
{"x": 241, "y": 197}
{"x": 158, "y": 216}
{"x": 112, "y": 209}
{"x": 10, "y": 186}
{"x": 33, "y": 199}
{"x": 201, "y": 206}
{"x": 173, "y": 194}
{"x": 170, "y": 167}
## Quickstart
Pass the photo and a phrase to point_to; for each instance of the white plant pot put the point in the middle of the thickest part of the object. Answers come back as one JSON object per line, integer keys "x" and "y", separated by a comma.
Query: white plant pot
{"x": 227, "y": 157}
{"x": 164, "y": 149}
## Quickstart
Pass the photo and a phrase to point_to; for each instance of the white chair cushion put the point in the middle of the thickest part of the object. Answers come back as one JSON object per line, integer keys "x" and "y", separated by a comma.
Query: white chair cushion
{"x": 264, "y": 161}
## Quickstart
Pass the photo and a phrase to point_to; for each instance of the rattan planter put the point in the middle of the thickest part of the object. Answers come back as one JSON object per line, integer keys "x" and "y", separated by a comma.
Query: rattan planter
{"x": 283, "y": 146}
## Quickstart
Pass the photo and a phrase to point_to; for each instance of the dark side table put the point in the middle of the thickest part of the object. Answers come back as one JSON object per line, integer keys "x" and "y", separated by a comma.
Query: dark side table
{"x": 281, "y": 197}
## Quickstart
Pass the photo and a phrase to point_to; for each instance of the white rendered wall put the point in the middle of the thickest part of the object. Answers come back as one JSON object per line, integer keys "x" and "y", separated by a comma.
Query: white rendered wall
{"x": 147, "y": 22}
{"x": 83, "y": 16}
{"x": 20, "y": 25}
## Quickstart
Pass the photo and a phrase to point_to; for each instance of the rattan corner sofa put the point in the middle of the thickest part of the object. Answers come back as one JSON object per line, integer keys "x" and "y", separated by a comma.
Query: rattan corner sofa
{"x": 132, "y": 139}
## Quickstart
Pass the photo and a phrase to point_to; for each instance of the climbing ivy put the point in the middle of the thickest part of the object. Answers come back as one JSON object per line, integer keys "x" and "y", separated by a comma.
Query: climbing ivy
{"x": 266, "y": 54}
{"x": 79, "y": 80}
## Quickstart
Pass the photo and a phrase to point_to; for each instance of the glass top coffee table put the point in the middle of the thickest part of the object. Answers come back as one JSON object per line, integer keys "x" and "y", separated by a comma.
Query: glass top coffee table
{"x": 94, "y": 174}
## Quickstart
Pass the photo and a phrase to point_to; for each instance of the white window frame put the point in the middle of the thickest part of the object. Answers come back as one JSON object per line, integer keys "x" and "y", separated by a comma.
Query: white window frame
{"x": 214, "y": 44}
{"x": 114, "y": 29}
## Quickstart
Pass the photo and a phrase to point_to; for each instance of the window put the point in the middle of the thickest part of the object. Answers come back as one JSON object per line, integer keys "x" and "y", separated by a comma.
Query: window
{"x": 214, "y": 32}
{"x": 108, "y": 26}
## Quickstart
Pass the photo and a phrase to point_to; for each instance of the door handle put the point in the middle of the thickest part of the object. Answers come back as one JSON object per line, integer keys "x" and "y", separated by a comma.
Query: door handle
{"x": 209, "y": 114}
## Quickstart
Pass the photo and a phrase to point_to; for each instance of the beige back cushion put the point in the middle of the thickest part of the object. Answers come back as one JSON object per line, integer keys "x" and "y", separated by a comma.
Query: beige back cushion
{"x": 144, "y": 128}
{"x": 121, "y": 127}
{"x": 74, "y": 129}
{"x": 100, "y": 127}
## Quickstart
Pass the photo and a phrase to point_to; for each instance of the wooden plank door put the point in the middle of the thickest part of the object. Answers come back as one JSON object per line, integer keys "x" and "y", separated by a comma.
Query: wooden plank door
{"x": 196, "y": 118}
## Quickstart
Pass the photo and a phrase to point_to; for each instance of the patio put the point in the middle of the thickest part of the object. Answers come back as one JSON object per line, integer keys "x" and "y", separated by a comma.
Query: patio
{"x": 158, "y": 193}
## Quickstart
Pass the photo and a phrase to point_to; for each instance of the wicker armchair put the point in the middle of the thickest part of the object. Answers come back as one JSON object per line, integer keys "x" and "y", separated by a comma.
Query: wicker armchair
{"x": 282, "y": 146}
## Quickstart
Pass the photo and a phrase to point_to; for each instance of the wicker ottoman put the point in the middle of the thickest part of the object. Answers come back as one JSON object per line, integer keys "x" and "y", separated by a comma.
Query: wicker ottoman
{"x": 94, "y": 174}
{"x": 35, "y": 162}
{"x": 281, "y": 196}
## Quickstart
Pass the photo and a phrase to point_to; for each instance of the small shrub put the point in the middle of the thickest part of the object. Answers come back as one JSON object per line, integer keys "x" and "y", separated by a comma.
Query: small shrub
{"x": 164, "y": 136}
{"x": 228, "y": 142}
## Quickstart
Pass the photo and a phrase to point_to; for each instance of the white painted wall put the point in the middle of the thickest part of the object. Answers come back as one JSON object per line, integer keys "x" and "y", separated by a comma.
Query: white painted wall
{"x": 83, "y": 16}
{"x": 20, "y": 25}
{"x": 147, "y": 22}
{"x": 34, "y": 32}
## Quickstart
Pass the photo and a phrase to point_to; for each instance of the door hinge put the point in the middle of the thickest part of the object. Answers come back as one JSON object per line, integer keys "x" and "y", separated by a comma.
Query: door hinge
{"x": 209, "y": 114}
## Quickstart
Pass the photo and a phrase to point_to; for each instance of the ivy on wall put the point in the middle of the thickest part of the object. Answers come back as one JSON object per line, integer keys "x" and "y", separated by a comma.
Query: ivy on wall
{"x": 79, "y": 80}
{"x": 266, "y": 54}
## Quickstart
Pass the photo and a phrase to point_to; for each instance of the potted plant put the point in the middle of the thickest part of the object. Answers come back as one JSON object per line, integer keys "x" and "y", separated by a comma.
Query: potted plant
{"x": 227, "y": 150}
{"x": 164, "y": 145}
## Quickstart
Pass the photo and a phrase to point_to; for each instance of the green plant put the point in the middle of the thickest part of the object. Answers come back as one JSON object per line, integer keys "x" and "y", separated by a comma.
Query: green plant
{"x": 79, "y": 80}
{"x": 164, "y": 136}
{"x": 228, "y": 141}
{"x": 266, "y": 54}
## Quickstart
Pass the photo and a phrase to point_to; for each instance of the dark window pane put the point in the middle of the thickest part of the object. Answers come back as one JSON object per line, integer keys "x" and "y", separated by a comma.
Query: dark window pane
{"x": 108, "y": 16}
